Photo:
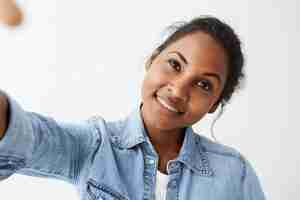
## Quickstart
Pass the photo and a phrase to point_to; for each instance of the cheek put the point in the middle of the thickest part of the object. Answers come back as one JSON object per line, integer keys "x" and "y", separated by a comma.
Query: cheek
{"x": 153, "y": 80}
{"x": 199, "y": 105}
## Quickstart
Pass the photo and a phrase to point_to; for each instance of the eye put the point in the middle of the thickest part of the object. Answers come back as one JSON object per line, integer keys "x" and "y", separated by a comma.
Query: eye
{"x": 174, "y": 64}
{"x": 205, "y": 84}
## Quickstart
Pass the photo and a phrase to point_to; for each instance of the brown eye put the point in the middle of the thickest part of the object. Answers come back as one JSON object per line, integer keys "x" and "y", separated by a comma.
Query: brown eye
{"x": 174, "y": 64}
{"x": 206, "y": 85}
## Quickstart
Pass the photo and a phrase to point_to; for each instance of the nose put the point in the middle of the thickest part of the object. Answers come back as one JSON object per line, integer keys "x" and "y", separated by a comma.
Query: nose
{"x": 178, "y": 92}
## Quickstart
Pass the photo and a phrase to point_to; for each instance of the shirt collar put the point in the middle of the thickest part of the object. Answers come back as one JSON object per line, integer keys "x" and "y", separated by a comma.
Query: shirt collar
{"x": 191, "y": 154}
{"x": 133, "y": 130}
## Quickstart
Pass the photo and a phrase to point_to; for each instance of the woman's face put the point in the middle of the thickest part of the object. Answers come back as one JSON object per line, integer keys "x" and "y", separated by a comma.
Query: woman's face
{"x": 183, "y": 82}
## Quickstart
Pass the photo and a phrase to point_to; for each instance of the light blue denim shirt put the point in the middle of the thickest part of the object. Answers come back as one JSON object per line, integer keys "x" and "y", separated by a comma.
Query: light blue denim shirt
{"x": 116, "y": 161}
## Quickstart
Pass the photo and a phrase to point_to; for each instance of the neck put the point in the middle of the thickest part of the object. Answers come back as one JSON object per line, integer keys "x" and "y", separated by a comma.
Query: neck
{"x": 166, "y": 140}
{"x": 167, "y": 143}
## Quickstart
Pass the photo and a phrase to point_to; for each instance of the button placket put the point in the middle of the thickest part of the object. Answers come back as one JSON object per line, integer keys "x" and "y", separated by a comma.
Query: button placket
{"x": 174, "y": 167}
{"x": 174, "y": 170}
{"x": 149, "y": 176}
{"x": 172, "y": 189}
{"x": 150, "y": 161}
{"x": 172, "y": 184}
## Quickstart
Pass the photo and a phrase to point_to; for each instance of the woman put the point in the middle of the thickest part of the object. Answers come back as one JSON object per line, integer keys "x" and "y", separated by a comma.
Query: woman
{"x": 153, "y": 153}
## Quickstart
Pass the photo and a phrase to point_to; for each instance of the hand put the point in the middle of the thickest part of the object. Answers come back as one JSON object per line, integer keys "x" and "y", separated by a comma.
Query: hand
{"x": 3, "y": 114}
{"x": 10, "y": 13}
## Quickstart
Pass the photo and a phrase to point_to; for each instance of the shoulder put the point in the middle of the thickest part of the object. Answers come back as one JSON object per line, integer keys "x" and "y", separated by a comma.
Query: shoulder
{"x": 222, "y": 157}
{"x": 230, "y": 166}
{"x": 217, "y": 148}
{"x": 109, "y": 131}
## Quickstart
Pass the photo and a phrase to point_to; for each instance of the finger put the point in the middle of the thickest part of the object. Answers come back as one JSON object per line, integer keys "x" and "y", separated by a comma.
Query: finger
{"x": 10, "y": 13}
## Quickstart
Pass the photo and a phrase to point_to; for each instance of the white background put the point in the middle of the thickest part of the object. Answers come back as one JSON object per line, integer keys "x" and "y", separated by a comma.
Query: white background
{"x": 75, "y": 59}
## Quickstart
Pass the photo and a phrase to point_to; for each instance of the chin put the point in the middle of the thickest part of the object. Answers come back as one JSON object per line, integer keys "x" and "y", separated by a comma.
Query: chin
{"x": 158, "y": 118}
{"x": 165, "y": 124}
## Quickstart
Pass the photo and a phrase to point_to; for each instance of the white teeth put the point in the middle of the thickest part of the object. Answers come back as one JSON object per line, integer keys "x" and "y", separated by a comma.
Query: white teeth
{"x": 167, "y": 105}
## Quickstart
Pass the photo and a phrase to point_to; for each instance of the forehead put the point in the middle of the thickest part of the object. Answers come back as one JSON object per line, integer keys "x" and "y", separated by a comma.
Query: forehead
{"x": 201, "y": 51}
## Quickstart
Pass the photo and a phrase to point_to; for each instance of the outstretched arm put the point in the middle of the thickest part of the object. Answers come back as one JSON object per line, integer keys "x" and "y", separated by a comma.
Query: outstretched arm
{"x": 38, "y": 145}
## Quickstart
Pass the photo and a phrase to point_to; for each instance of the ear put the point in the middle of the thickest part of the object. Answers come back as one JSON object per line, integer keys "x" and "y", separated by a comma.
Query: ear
{"x": 151, "y": 58}
{"x": 148, "y": 63}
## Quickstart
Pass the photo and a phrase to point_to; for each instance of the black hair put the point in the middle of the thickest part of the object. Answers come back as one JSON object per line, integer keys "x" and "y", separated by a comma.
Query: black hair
{"x": 225, "y": 36}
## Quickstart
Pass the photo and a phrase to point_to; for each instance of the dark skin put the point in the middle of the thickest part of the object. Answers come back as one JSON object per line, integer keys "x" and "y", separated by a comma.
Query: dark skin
{"x": 182, "y": 84}
{"x": 3, "y": 114}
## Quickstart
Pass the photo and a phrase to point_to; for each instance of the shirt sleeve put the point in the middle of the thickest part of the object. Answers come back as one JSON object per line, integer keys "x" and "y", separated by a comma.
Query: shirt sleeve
{"x": 40, "y": 146}
{"x": 252, "y": 189}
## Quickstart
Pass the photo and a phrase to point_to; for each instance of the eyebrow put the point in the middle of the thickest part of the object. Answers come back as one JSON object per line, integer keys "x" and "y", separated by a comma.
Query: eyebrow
{"x": 181, "y": 56}
{"x": 216, "y": 76}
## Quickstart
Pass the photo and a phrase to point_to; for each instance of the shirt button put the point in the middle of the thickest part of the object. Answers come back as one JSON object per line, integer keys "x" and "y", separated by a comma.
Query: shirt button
{"x": 174, "y": 168}
{"x": 174, "y": 165}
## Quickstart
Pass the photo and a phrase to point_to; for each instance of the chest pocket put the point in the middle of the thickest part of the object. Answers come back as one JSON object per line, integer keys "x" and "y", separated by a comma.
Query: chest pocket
{"x": 98, "y": 191}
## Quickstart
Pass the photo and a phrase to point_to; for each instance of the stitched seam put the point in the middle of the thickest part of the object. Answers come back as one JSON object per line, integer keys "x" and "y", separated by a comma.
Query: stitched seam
{"x": 12, "y": 163}
{"x": 12, "y": 158}
{"x": 227, "y": 154}
{"x": 89, "y": 191}
{"x": 99, "y": 141}
{"x": 244, "y": 169}
{"x": 106, "y": 189}
{"x": 238, "y": 157}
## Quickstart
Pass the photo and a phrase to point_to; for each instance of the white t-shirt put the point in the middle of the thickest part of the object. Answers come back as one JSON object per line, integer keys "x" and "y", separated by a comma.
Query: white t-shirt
{"x": 161, "y": 186}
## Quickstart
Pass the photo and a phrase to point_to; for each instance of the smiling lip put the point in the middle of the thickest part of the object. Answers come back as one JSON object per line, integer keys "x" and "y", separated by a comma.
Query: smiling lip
{"x": 166, "y": 105}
